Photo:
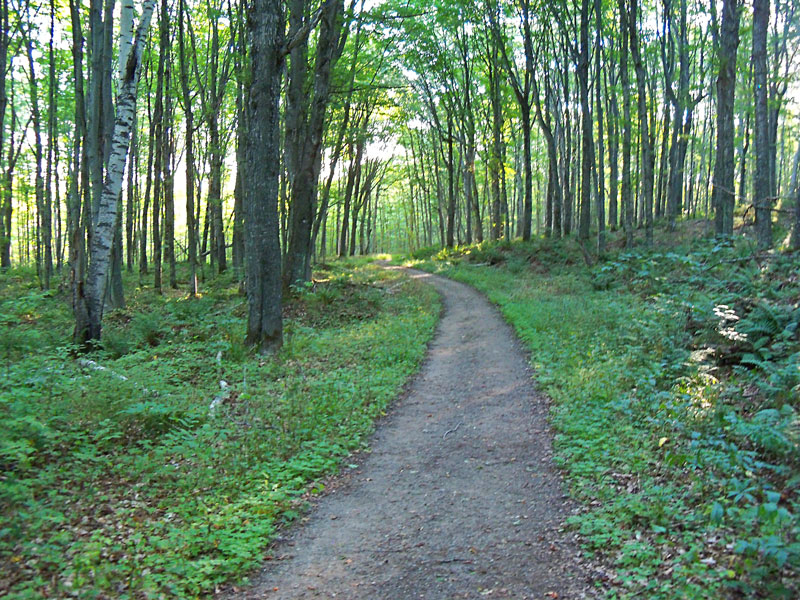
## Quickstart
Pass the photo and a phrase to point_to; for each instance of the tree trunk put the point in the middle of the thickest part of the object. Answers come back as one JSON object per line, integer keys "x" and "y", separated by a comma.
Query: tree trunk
{"x": 262, "y": 247}
{"x": 75, "y": 225}
{"x": 644, "y": 134}
{"x": 51, "y": 148}
{"x": 147, "y": 191}
{"x": 159, "y": 165}
{"x": 451, "y": 194}
{"x": 601, "y": 166}
{"x": 761, "y": 181}
{"x": 496, "y": 169}
{"x": 5, "y": 192}
{"x": 238, "y": 251}
{"x": 307, "y": 153}
{"x": 95, "y": 108}
{"x": 587, "y": 129}
{"x": 723, "y": 193}
{"x": 627, "y": 200}
{"x": 527, "y": 207}
{"x": 189, "y": 116}
{"x": 116, "y": 293}
{"x": 169, "y": 184}
{"x": 795, "y": 188}
{"x": 106, "y": 215}
{"x": 613, "y": 157}
{"x": 215, "y": 195}
{"x": 567, "y": 159}
{"x": 743, "y": 158}
{"x": 45, "y": 267}
{"x": 130, "y": 211}
{"x": 355, "y": 201}
{"x": 663, "y": 162}
{"x": 681, "y": 125}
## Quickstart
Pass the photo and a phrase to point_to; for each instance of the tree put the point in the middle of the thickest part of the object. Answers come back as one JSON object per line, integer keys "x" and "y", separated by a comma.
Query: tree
{"x": 94, "y": 298}
{"x": 523, "y": 88}
{"x": 644, "y": 132}
{"x": 601, "y": 167}
{"x": 587, "y": 129}
{"x": 262, "y": 247}
{"x": 213, "y": 85}
{"x": 761, "y": 185}
{"x": 795, "y": 187}
{"x": 44, "y": 265}
{"x": 190, "y": 158}
{"x": 627, "y": 201}
{"x": 305, "y": 126}
{"x": 496, "y": 170}
{"x": 723, "y": 194}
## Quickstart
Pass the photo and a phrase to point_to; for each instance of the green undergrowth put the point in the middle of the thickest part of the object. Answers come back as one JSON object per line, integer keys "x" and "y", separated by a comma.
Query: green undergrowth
{"x": 134, "y": 473}
{"x": 675, "y": 379}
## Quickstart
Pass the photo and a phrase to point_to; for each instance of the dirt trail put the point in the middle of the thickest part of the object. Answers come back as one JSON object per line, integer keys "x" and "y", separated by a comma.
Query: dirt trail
{"x": 458, "y": 498}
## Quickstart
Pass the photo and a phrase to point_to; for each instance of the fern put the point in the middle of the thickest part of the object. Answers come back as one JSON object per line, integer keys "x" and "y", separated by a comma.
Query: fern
{"x": 763, "y": 321}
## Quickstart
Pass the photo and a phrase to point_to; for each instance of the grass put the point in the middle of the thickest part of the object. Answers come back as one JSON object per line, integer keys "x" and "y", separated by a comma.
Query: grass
{"x": 675, "y": 379}
{"x": 125, "y": 482}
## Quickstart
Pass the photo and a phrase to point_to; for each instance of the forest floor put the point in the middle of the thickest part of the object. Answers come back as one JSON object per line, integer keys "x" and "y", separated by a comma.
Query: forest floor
{"x": 458, "y": 497}
{"x": 157, "y": 483}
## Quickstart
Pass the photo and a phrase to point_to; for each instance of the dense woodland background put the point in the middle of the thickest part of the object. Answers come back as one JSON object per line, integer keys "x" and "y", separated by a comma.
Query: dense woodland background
{"x": 401, "y": 126}
{"x": 619, "y": 177}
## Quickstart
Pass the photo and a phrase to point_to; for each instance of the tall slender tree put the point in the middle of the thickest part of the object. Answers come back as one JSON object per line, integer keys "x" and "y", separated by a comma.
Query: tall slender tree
{"x": 645, "y": 141}
{"x": 723, "y": 193}
{"x": 761, "y": 185}
{"x": 94, "y": 299}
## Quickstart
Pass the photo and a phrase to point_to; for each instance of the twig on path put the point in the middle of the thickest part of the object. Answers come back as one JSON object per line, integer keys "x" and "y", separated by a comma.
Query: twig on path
{"x": 452, "y": 430}
{"x": 453, "y": 560}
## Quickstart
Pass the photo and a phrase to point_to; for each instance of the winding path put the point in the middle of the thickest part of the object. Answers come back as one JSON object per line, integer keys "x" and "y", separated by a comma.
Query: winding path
{"x": 458, "y": 497}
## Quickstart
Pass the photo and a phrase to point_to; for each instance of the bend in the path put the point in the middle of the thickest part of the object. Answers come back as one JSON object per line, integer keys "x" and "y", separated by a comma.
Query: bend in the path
{"x": 458, "y": 498}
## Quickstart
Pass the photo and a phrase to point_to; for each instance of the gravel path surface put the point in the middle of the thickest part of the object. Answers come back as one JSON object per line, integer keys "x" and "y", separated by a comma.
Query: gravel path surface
{"x": 458, "y": 497}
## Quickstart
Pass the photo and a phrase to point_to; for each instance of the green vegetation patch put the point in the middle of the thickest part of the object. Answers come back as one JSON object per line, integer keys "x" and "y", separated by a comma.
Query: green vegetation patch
{"x": 675, "y": 384}
{"x": 135, "y": 473}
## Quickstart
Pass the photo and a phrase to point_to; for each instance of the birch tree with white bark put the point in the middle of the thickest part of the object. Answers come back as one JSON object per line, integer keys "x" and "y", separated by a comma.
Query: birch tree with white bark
{"x": 89, "y": 328}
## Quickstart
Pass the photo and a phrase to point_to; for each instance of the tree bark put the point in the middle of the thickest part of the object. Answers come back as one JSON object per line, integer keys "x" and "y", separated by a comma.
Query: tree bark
{"x": 587, "y": 144}
{"x": 262, "y": 247}
{"x": 76, "y": 226}
{"x": 307, "y": 154}
{"x": 147, "y": 191}
{"x": 627, "y": 203}
{"x": 613, "y": 157}
{"x": 497, "y": 225}
{"x": 644, "y": 134}
{"x": 761, "y": 181}
{"x": 5, "y": 192}
{"x": 795, "y": 187}
{"x": 451, "y": 193}
{"x": 169, "y": 183}
{"x": 44, "y": 264}
{"x": 601, "y": 166}
{"x": 106, "y": 215}
{"x": 190, "y": 159}
{"x": 132, "y": 193}
{"x": 51, "y": 148}
{"x": 723, "y": 193}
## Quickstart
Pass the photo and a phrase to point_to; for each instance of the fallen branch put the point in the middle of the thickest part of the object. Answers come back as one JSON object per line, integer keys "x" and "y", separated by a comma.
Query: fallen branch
{"x": 225, "y": 390}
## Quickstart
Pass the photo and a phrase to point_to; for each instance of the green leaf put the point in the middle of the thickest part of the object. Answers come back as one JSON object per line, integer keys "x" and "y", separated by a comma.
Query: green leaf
{"x": 717, "y": 512}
